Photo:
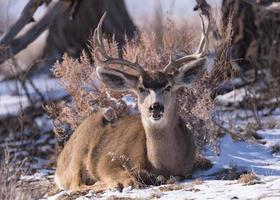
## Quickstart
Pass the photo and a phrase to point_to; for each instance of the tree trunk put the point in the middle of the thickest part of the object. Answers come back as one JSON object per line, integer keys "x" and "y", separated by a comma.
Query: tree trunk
{"x": 255, "y": 32}
{"x": 71, "y": 36}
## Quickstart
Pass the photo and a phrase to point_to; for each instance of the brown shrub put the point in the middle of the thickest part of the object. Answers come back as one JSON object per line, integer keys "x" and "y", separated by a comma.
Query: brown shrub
{"x": 88, "y": 95}
{"x": 78, "y": 78}
{"x": 247, "y": 179}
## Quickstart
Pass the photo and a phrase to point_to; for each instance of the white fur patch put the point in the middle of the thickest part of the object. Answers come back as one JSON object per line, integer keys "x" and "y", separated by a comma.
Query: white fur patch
{"x": 151, "y": 123}
{"x": 58, "y": 182}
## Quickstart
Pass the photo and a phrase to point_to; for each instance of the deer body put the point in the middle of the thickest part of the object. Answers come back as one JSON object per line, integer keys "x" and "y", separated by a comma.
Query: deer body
{"x": 171, "y": 150}
{"x": 93, "y": 143}
{"x": 156, "y": 141}
{"x": 90, "y": 160}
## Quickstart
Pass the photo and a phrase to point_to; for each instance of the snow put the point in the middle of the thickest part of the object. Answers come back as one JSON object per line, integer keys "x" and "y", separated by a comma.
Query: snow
{"x": 253, "y": 157}
{"x": 59, "y": 195}
{"x": 13, "y": 98}
{"x": 265, "y": 188}
{"x": 44, "y": 123}
{"x": 234, "y": 97}
{"x": 34, "y": 177}
{"x": 12, "y": 104}
{"x": 131, "y": 101}
{"x": 244, "y": 156}
{"x": 250, "y": 157}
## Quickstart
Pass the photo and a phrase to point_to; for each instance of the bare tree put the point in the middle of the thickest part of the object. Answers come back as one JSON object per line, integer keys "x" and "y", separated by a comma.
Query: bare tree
{"x": 70, "y": 23}
{"x": 72, "y": 36}
{"x": 255, "y": 32}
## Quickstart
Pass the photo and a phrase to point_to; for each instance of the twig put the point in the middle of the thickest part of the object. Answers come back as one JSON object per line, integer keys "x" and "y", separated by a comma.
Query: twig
{"x": 21, "y": 78}
{"x": 229, "y": 86}
{"x": 226, "y": 130}
{"x": 22, "y": 81}
{"x": 37, "y": 91}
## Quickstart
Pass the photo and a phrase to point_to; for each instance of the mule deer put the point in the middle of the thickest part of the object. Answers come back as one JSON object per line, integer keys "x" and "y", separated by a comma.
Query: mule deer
{"x": 157, "y": 140}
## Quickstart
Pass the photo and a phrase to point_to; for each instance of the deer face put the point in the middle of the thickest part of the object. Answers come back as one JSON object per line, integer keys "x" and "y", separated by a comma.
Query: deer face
{"x": 156, "y": 91}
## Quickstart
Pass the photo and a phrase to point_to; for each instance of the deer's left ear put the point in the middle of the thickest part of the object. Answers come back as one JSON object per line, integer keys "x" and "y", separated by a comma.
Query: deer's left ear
{"x": 189, "y": 73}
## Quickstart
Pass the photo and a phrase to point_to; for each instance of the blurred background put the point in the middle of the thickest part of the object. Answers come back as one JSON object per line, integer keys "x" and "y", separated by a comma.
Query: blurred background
{"x": 48, "y": 86}
{"x": 142, "y": 13}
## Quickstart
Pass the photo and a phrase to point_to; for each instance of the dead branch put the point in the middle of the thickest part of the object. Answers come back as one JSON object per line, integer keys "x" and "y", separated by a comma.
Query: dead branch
{"x": 206, "y": 9}
{"x": 12, "y": 46}
{"x": 37, "y": 91}
{"x": 231, "y": 133}
{"x": 25, "y": 18}
{"x": 203, "y": 6}
{"x": 228, "y": 86}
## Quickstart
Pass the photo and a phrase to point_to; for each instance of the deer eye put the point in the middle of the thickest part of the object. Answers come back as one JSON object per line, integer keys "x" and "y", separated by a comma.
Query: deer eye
{"x": 142, "y": 90}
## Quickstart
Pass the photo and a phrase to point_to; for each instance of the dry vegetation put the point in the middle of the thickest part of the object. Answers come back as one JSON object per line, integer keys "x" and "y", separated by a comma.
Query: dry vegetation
{"x": 8, "y": 178}
{"x": 122, "y": 198}
{"x": 247, "y": 179}
{"x": 187, "y": 187}
{"x": 88, "y": 95}
{"x": 11, "y": 187}
{"x": 19, "y": 155}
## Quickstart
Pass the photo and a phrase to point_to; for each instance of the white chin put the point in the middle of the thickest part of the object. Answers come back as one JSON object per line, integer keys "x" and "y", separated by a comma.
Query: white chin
{"x": 156, "y": 121}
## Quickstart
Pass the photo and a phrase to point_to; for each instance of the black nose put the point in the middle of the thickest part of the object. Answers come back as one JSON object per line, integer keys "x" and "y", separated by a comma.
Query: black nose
{"x": 156, "y": 108}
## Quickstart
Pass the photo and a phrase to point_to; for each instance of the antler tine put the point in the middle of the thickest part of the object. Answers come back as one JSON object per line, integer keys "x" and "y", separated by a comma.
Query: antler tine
{"x": 199, "y": 53}
{"x": 101, "y": 52}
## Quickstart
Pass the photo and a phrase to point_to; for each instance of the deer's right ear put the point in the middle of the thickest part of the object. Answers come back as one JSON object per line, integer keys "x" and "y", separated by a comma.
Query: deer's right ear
{"x": 190, "y": 72}
{"x": 116, "y": 79}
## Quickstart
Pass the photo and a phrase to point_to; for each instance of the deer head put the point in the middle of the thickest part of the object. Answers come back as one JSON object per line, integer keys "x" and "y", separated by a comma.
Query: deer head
{"x": 156, "y": 91}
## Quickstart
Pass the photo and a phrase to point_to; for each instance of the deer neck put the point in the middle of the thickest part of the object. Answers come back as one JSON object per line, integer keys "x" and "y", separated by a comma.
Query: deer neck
{"x": 166, "y": 146}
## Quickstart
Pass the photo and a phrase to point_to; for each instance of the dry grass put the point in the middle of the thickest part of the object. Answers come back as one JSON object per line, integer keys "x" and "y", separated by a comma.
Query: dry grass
{"x": 8, "y": 178}
{"x": 122, "y": 198}
{"x": 172, "y": 187}
{"x": 273, "y": 123}
{"x": 247, "y": 179}
{"x": 231, "y": 173}
{"x": 155, "y": 195}
{"x": 186, "y": 187}
{"x": 202, "y": 163}
{"x": 197, "y": 181}
{"x": 11, "y": 187}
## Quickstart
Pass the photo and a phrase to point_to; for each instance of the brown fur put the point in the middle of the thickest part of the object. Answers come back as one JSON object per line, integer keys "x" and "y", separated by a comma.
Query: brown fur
{"x": 85, "y": 162}
{"x": 85, "y": 158}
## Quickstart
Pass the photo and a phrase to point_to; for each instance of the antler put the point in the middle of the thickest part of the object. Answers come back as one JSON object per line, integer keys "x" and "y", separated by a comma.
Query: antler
{"x": 100, "y": 50}
{"x": 199, "y": 53}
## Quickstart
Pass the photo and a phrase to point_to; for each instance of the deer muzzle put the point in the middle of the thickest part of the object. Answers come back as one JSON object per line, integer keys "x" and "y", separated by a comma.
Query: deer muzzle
{"x": 156, "y": 111}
